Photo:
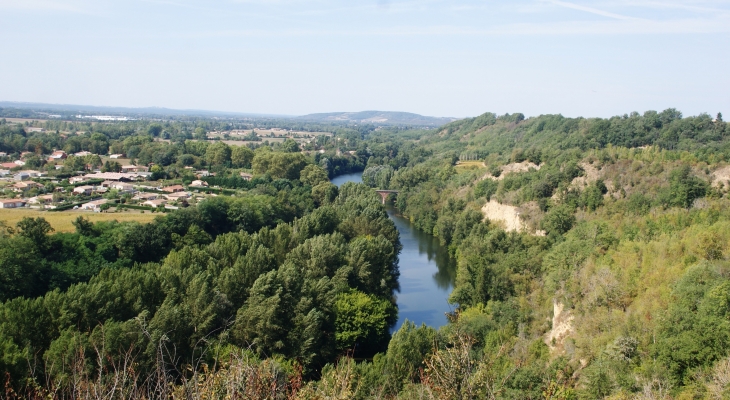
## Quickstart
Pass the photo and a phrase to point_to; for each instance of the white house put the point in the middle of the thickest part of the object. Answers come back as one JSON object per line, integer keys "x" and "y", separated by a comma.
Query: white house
{"x": 34, "y": 173}
{"x": 145, "y": 196}
{"x": 134, "y": 168}
{"x": 113, "y": 176}
{"x": 198, "y": 183}
{"x": 177, "y": 196}
{"x": 21, "y": 176}
{"x": 122, "y": 187}
{"x": 85, "y": 190}
{"x": 94, "y": 205}
{"x": 77, "y": 179}
{"x": 44, "y": 199}
{"x": 155, "y": 203}
{"x": 12, "y": 203}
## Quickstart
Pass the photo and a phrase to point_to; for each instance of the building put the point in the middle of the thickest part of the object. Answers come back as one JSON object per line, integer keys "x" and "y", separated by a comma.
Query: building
{"x": 155, "y": 203}
{"x": 3, "y": 154}
{"x": 19, "y": 162}
{"x": 83, "y": 153}
{"x": 84, "y": 190}
{"x": 21, "y": 176}
{"x": 4, "y": 172}
{"x": 44, "y": 199}
{"x": 246, "y": 176}
{"x": 94, "y": 205}
{"x": 115, "y": 156}
{"x": 77, "y": 179}
{"x": 134, "y": 168}
{"x": 173, "y": 189}
{"x": 202, "y": 174}
{"x": 12, "y": 203}
{"x": 23, "y": 186}
{"x": 198, "y": 183}
{"x": 113, "y": 176}
{"x": 57, "y": 155}
{"x": 177, "y": 196}
{"x": 145, "y": 196}
{"x": 34, "y": 173}
{"x": 122, "y": 187}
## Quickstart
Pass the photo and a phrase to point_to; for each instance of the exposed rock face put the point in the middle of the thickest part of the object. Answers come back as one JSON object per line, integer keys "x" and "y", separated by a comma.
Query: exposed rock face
{"x": 721, "y": 176}
{"x": 508, "y": 216}
{"x": 562, "y": 328}
{"x": 513, "y": 168}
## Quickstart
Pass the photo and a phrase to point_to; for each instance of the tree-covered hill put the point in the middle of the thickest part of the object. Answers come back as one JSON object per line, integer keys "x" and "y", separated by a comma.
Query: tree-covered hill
{"x": 605, "y": 291}
{"x": 490, "y": 133}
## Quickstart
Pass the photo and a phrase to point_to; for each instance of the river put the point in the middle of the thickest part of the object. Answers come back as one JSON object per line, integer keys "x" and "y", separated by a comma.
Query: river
{"x": 427, "y": 272}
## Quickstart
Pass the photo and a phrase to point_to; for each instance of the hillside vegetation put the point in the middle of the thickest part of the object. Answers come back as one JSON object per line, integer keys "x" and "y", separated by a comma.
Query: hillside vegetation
{"x": 634, "y": 213}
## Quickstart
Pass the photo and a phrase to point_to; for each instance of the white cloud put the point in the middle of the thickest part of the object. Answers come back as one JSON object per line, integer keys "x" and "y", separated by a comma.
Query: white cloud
{"x": 590, "y": 10}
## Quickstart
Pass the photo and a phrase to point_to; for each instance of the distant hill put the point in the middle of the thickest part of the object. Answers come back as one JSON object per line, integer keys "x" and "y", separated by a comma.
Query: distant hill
{"x": 39, "y": 110}
{"x": 72, "y": 109}
{"x": 378, "y": 118}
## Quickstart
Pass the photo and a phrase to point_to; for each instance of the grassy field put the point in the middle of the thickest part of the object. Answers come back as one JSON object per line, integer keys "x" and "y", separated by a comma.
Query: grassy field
{"x": 62, "y": 221}
{"x": 470, "y": 165}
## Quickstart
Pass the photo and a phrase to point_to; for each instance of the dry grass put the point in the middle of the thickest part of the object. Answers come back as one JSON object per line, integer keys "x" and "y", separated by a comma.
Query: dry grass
{"x": 62, "y": 221}
{"x": 464, "y": 166}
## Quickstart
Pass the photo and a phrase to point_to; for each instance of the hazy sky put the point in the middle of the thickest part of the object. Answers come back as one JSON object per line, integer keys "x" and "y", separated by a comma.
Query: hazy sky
{"x": 442, "y": 58}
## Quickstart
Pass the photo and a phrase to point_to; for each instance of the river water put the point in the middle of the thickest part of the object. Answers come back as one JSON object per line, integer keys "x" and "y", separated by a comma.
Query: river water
{"x": 427, "y": 272}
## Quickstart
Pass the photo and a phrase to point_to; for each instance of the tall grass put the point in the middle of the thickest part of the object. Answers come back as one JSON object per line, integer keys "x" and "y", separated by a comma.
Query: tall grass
{"x": 62, "y": 221}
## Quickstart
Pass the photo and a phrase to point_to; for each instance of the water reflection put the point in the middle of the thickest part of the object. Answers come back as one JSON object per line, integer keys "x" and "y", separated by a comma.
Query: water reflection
{"x": 339, "y": 180}
{"x": 445, "y": 275}
{"x": 427, "y": 273}
{"x": 427, "y": 276}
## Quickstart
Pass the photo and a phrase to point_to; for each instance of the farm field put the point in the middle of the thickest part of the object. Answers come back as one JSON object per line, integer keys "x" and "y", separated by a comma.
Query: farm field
{"x": 62, "y": 221}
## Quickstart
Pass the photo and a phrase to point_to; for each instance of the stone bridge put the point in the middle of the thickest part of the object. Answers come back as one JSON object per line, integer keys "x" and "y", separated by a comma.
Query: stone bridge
{"x": 384, "y": 193}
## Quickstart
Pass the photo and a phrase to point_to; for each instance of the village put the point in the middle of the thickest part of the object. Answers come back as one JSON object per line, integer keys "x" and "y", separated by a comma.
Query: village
{"x": 95, "y": 189}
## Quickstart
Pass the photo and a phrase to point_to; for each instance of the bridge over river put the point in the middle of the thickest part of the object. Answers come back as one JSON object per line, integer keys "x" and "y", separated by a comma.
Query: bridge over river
{"x": 385, "y": 193}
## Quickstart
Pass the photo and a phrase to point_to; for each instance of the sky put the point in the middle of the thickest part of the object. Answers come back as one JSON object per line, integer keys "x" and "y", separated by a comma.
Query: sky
{"x": 454, "y": 58}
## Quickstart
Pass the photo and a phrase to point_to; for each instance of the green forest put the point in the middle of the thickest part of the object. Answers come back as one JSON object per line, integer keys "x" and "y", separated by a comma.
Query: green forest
{"x": 615, "y": 284}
